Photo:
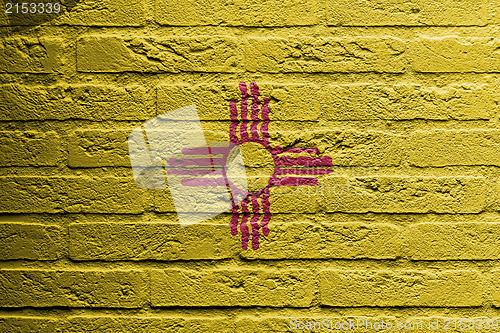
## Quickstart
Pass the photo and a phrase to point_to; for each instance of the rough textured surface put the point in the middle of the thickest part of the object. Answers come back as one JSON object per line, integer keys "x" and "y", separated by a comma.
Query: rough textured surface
{"x": 104, "y": 13}
{"x": 150, "y": 324}
{"x": 31, "y": 241}
{"x": 401, "y": 288}
{"x": 69, "y": 194}
{"x": 269, "y": 13}
{"x": 325, "y": 55}
{"x": 465, "y": 147}
{"x": 290, "y": 101}
{"x": 141, "y": 241}
{"x": 444, "y": 241}
{"x": 30, "y": 148}
{"x": 30, "y": 325}
{"x": 455, "y": 54}
{"x": 407, "y": 13}
{"x": 174, "y": 54}
{"x": 98, "y": 148}
{"x": 80, "y": 13}
{"x": 329, "y": 241}
{"x": 46, "y": 288}
{"x": 30, "y": 55}
{"x": 366, "y": 101}
{"x": 74, "y": 101}
{"x": 496, "y": 287}
{"x": 101, "y": 148}
{"x": 403, "y": 194}
{"x": 231, "y": 287}
{"x": 398, "y": 100}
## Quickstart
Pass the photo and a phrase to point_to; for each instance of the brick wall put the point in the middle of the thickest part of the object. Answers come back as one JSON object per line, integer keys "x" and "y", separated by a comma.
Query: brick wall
{"x": 402, "y": 95}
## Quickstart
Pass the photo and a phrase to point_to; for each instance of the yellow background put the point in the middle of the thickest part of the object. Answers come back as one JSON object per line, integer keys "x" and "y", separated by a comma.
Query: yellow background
{"x": 403, "y": 95}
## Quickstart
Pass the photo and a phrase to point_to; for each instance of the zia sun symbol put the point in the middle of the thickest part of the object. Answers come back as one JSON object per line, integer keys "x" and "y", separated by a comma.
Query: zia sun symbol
{"x": 249, "y": 129}
{"x": 205, "y": 180}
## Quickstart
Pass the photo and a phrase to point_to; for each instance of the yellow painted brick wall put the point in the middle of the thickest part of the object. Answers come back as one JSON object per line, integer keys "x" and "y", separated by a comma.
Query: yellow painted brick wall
{"x": 403, "y": 95}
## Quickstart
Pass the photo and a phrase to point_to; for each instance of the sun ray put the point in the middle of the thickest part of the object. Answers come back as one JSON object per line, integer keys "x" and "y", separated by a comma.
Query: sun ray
{"x": 254, "y": 223}
{"x": 256, "y": 129}
{"x": 245, "y": 235}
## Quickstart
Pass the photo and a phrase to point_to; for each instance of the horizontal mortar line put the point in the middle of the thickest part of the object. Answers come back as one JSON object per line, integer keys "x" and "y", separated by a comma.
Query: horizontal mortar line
{"x": 322, "y": 120}
{"x": 251, "y": 28}
{"x": 298, "y": 77}
{"x": 403, "y": 307}
{"x": 301, "y": 79}
{"x": 236, "y": 260}
{"x": 229, "y": 214}
{"x": 172, "y": 214}
{"x": 320, "y": 24}
{"x": 139, "y": 122}
{"x": 260, "y": 313}
{"x": 253, "y": 73}
{"x": 398, "y": 260}
{"x": 318, "y": 212}
{"x": 374, "y": 170}
{"x": 229, "y": 76}
{"x": 334, "y": 166}
{"x": 67, "y": 308}
{"x": 225, "y": 29}
{"x": 83, "y": 313}
{"x": 400, "y": 307}
{"x": 131, "y": 122}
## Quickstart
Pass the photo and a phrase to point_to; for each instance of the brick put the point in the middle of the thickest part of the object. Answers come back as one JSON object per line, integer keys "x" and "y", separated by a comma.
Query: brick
{"x": 407, "y": 13}
{"x": 98, "y": 148}
{"x": 232, "y": 287}
{"x": 263, "y": 324}
{"x": 325, "y": 55}
{"x": 196, "y": 204}
{"x": 104, "y": 13}
{"x": 89, "y": 288}
{"x": 350, "y": 240}
{"x": 495, "y": 9}
{"x": 150, "y": 241}
{"x": 401, "y": 288}
{"x": 149, "y": 54}
{"x": 4, "y": 18}
{"x": 294, "y": 199}
{"x": 148, "y": 324}
{"x": 31, "y": 55}
{"x": 453, "y": 241}
{"x": 495, "y": 197}
{"x": 495, "y": 287}
{"x": 31, "y": 241}
{"x": 270, "y": 13}
{"x": 454, "y": 147}
{"x": 74, "y": 101}
{"x": 347, "y": 147}
{"x": 381, "y": 194}
{"x": 366, "y": 101}
{"x": 162, "y": 202}
{"x": 30, "y": 148}
{"x": 31, "y": 325}
{"x": 287, "y": 101}
{"x": 394, "y": 194}
{"x": 70, "y": 195}
{"x": 151, "y": 324}
{"x": 454, "y": 54}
